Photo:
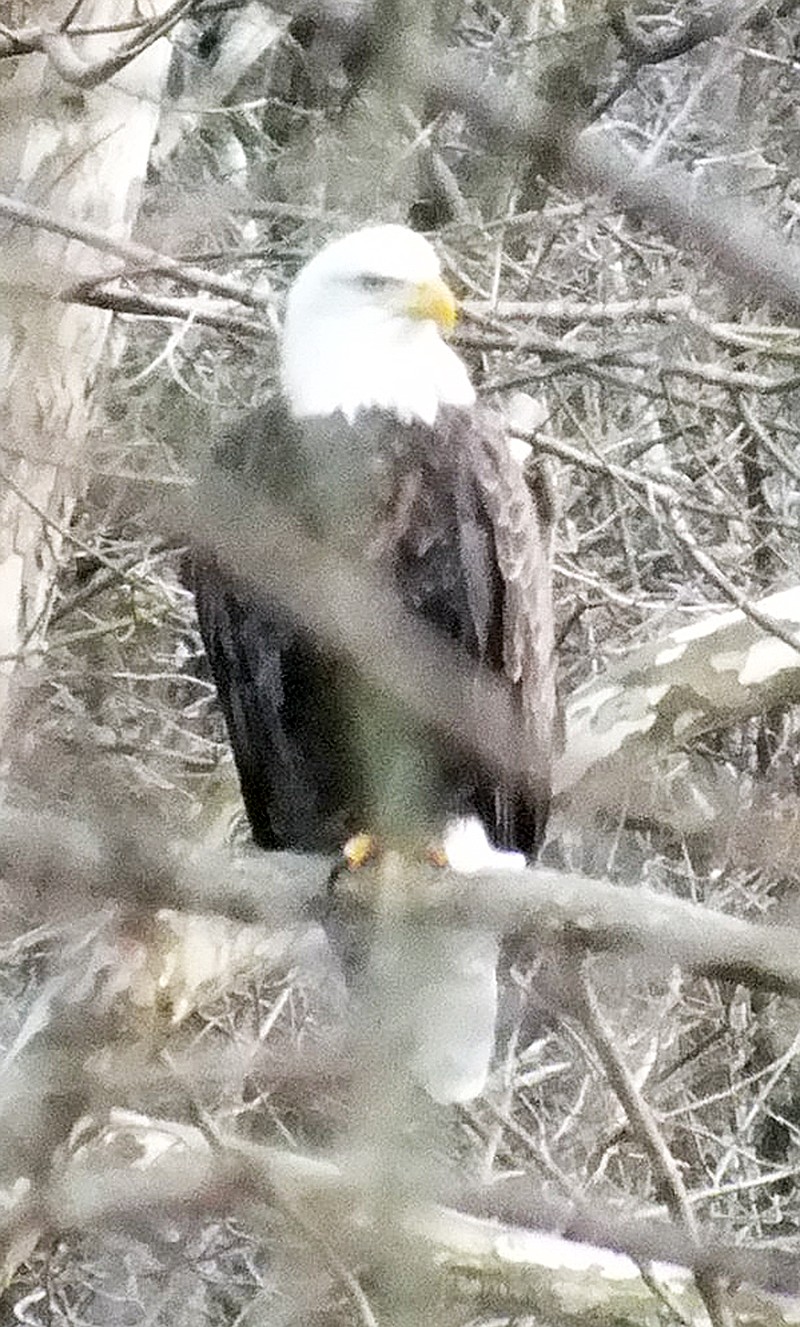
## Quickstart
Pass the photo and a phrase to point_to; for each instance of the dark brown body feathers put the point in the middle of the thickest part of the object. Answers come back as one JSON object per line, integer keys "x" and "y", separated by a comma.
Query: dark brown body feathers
{"x": 445, "y": 516}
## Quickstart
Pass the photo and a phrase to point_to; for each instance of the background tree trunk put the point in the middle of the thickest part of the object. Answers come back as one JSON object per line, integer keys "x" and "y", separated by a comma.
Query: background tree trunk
{"x": 82, "y": 154}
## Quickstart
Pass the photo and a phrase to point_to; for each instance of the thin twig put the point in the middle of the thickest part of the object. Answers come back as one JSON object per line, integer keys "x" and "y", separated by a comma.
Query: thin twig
{"x": 714, "y": 572}
{"x": 142, "y": 305}
{"x": 671, "y": 502}
{"x": 138, "y": 255}
{"x": 59, "y": 49}
{"x": 643, "y": 1124}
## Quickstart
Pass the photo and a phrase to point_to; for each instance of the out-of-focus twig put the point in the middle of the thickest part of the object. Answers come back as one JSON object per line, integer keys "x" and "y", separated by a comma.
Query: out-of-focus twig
{"x": 527, "y": 1267}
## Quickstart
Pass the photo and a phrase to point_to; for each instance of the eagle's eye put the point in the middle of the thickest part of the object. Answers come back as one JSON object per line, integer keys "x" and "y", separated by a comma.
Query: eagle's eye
{"x": 374, "y": 281}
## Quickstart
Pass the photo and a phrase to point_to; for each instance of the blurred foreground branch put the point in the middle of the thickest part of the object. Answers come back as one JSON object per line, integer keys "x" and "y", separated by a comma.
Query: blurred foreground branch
{"x": 278, "y": 887}
{"x": 733, "y": 234}
{"x": 179, "y": 1169}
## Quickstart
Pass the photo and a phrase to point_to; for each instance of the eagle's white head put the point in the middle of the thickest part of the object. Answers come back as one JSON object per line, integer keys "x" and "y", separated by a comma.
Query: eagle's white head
{"x": 363, "y": 328}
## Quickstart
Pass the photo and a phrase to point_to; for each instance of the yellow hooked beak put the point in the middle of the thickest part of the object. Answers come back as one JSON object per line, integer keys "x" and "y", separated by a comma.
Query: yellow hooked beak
{"x": 435, "y": 300}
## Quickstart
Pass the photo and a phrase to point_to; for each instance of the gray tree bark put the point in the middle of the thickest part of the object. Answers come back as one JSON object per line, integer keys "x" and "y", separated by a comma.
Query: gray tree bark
{"x": 81, "y": 152}
{"x": 629, "y": 730}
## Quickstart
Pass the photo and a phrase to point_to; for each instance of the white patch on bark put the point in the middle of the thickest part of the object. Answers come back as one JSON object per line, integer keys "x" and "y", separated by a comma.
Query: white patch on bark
{"x": 784, "y": 604}
{"x": 583, "y": 709}
{"x": 707, "y": 627}
{"x": 552, "y": 1251}
{"x": 597, "y": 746}
{"x": 11, "y": 573}
{"x": 766, "y": 658}
{"x": 669, "y": 655}
{"x": 685, "y": 721}
{"x": 727, "y": 661}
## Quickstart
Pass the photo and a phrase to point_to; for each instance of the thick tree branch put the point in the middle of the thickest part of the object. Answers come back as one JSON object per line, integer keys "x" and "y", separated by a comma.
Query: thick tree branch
{"x": 125, "y": 863}
{"x": 715, "y": 673}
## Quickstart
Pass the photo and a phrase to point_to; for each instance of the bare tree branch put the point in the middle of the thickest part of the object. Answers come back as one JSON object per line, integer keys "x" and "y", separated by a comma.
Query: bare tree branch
{"x": 138, "y": 255}
{"x": 643, "y": 49}
{"x": 123, "y": 863}
{"x": 58, "y": 47}
{"x": 645, "y": 1127}
{"x": 529, "y": 1269}
{"x": 721, "y": 670}
{"x": 141, "y": 305}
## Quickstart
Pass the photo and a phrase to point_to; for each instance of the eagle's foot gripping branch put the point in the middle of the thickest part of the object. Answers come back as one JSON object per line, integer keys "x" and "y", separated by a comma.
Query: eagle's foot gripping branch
{"x": 365, "y": 848}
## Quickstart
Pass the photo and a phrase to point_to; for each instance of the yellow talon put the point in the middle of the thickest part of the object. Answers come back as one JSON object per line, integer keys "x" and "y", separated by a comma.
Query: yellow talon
{"x": 435, "y": 855}
{"x": 358, "y": 850}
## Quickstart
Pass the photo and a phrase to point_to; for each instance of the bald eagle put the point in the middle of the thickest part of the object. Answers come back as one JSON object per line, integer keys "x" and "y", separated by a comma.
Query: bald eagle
{"x": 377, "y": 441}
